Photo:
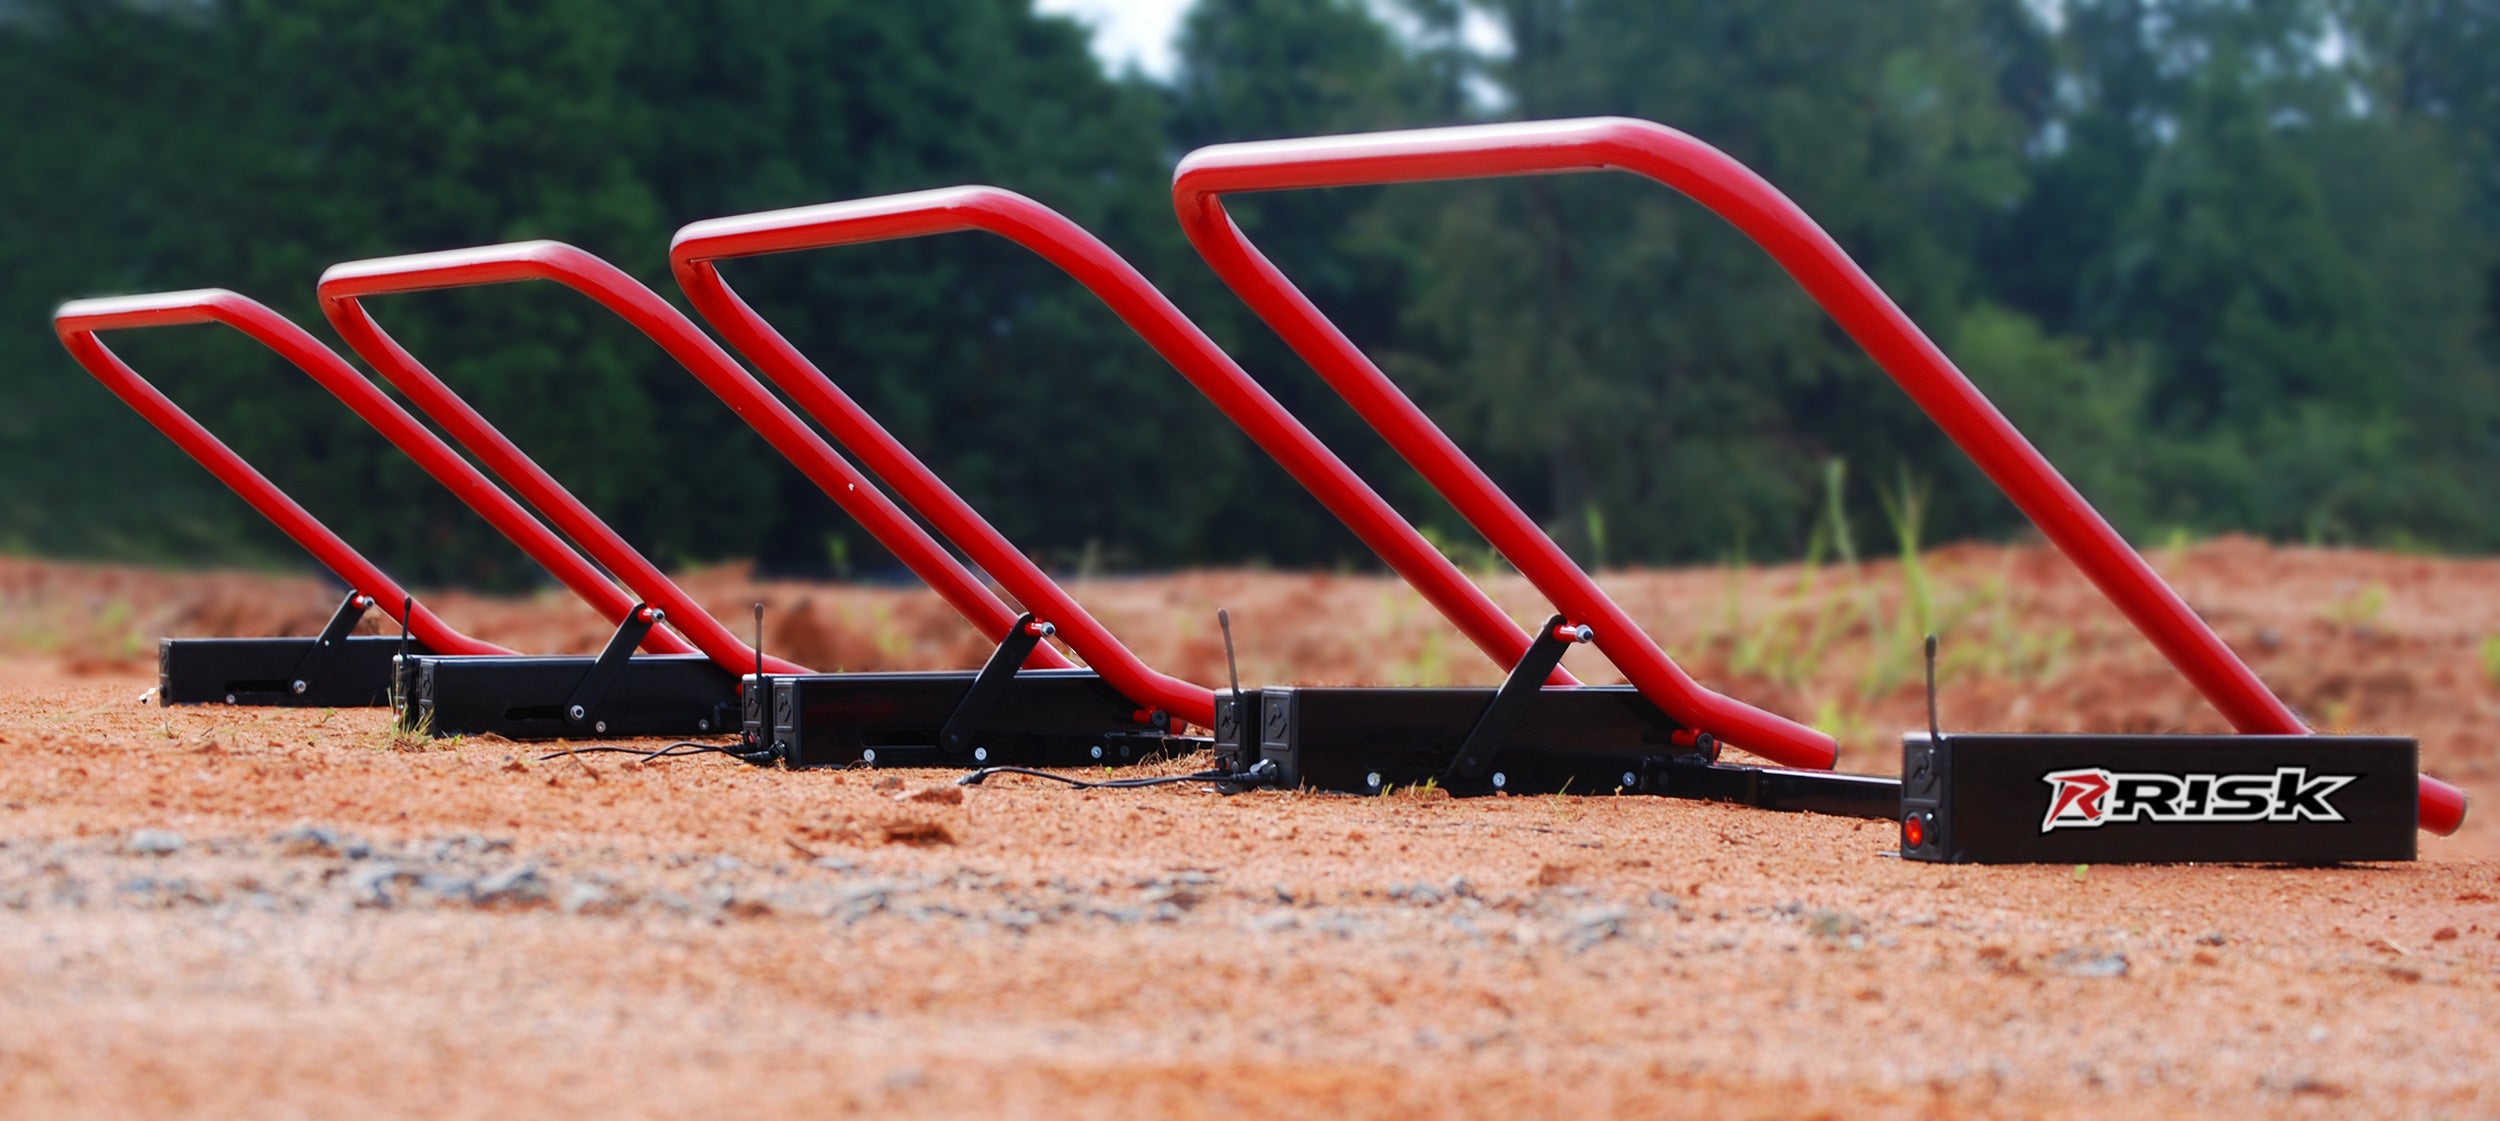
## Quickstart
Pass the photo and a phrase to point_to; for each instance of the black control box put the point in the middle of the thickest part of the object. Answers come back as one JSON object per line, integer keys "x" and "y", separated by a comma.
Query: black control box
{"x": 1985, "y": 798}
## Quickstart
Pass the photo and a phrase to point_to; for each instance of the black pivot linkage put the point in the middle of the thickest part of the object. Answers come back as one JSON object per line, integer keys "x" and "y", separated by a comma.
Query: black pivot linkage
{"x": 1484, "y": 741}
{"x": 325, "y": 646}
{"x": 582, "y": 709}
{"x": 336, "y": 668}
{"x": 982, "y": 696}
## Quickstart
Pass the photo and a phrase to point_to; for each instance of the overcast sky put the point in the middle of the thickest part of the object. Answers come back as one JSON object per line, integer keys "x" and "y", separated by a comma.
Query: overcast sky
{"x": 1128, "y": 31}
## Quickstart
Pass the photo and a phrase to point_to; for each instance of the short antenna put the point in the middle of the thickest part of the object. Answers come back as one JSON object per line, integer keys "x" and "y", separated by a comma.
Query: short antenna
{"x": 1935, "y": 732}
{"x": 1224, "y": 620}
{"x": 759, "y": 642}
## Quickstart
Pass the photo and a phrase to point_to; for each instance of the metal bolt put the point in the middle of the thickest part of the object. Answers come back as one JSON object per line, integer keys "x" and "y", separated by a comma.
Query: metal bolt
{"x": 1630, "y": 780}
{"x": 1097, "y": 751}
{"x": 703, "y": 725}
{"x": 980, "y": 755}
{"x": 600, "y": 727}
{"x": 229, "y": 698}
{"x": 1500, "y": 780}
{"x": 868, "y": 755}
{"x": 575, "y": 712}
{"x": 1372, "y": 780}
{"x": 299, "y": 688}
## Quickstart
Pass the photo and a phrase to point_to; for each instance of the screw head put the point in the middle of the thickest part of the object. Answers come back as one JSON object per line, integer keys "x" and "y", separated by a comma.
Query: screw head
{"x": 980, "y": 755}
{"x": 298, "y": 687}
{"x": 601, "y": 727}
{"x": 703, "y": 725}
{"x": 1500, "y": 780}
{"x": 1630, "y": 780}
{"x": 1372, "y": 780}
{"x": 575, "y": 712}
{"x": 868, "y": 755}
{"x": 229, "y": 698}
{"x": 1097, "y": 753}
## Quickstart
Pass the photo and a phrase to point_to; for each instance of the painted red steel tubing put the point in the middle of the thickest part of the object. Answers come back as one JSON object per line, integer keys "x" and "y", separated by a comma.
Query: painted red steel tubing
{"x": 280, "y": 334}
{"x": 344, "y": 285}
{"x": 77, "y": 323}
{"x": 1758, "y": 209}
{"x": 1127, "y": 292}
{"x": 691, "y": 254}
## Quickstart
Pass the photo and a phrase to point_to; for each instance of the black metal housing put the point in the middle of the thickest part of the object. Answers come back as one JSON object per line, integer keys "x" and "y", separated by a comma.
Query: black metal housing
{"x": 1068, "y": 717}
{"x": 1592, "y": 739}
{"x": 333, "y": 669}
{"x": 2108, "y": 799}
{"x": 532, "y": 697}
{"x": 263, "y": 671}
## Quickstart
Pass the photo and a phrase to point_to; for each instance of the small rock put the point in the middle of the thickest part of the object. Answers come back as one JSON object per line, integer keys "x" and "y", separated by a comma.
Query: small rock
{"x": 2083, "y": 963}
{"x": 155, "y": 842}
{"x": 1833, "y": 926}
{"x": 1274, "y": 921}
{"x": 586, "y": 898}
{"x": 1423, "y": 894}
{"x": 946, "y": 795}
{"x": 306, "y": 840}
{"x": 1595, "y": 925}
{"x": 444, "y": 885}
{"x": 2215, "y": 939}
{"x": 1665, "y": 902}
{"x": 370, "y": 885}
{"x": 1174, "y": 896}
{"x": 1461, "y": 888}
{"x": 918, "y": 834}
{"x": 519, "y": 885}
{"x": 2444, "y": 934}
{"x": 831, "y": 864}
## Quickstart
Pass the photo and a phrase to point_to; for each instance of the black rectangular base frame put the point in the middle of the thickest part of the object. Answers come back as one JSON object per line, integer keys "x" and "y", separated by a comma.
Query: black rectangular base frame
{"x": 534, "y": 697}
{"x": 1587, "y": 740}
{"x": 265, "y": 671}
{"x": 1038, "y": 718}
{"x": 2108, "y": 799}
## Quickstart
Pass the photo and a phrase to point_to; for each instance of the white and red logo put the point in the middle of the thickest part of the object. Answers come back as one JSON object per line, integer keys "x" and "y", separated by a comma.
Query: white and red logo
{"x": 2092, "y": 797}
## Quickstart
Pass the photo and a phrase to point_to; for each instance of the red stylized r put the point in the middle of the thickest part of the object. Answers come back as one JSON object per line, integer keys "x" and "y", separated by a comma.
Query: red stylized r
{"x": 2079, "y": 799}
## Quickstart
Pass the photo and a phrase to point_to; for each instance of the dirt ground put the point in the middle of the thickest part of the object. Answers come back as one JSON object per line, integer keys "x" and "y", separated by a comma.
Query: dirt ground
{"x": 240, "y": 912}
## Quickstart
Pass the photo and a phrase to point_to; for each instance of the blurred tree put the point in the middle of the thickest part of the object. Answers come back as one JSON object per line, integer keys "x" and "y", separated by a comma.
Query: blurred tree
{"x": 2235, "y": 264}
{"x": 1625, "y": 359}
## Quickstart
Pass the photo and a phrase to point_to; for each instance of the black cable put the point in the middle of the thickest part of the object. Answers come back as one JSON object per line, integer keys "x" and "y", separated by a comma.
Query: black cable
{"x": 678, "y": 750}
{"x": 1262, "y": 773}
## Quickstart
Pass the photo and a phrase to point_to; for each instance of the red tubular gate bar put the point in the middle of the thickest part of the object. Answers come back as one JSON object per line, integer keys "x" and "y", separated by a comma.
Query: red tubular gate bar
{"x": 343, "y": 286}
{"x": 77, "y": 323}
{"x": 1112, "y": 279}
{"x": 692, "y": 253}
{"x": 420, "y": 444}
{"x": 1809, "y": 255}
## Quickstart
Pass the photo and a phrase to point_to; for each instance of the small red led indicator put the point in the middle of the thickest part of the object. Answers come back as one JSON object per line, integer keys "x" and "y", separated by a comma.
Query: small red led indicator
{"x": 1913, "y": 831}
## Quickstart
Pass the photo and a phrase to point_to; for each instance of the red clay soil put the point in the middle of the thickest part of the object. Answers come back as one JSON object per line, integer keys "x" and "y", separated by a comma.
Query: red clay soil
{"x": 253, "y": 913}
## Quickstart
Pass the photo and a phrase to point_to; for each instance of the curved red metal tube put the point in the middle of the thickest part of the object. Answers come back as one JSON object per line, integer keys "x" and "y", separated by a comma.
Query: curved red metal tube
{"x": 77, "y": 323}
{"x": 692, "y": 253}
{"x": 280, "y": 334}
{"x": 343, "y": 286}
{"x": 1127, "y": 292}
{"x": 1810, "y": 256}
